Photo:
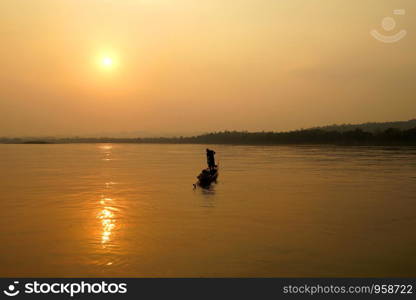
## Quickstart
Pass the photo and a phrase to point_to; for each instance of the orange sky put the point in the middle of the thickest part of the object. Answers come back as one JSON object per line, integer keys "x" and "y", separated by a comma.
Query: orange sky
{"x": 182, "y": 66}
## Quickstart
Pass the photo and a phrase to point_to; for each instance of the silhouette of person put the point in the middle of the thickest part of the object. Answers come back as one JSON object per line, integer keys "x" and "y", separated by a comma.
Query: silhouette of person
{"x": 211, "y": 159}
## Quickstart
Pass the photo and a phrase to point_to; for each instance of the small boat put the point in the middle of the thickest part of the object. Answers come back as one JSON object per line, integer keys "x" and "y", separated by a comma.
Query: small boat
{"x": 210, "y": 174}
{"x": 207, "y": 176}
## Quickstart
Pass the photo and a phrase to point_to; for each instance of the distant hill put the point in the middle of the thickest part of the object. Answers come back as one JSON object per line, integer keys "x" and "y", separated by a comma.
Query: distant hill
{"x": 388, "y": 133}
{"x": 373, "y": 127}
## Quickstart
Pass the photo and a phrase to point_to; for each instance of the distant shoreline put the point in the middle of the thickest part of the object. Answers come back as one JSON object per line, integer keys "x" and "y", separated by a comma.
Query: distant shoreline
{"x": 318, "y": 136}
{"x": 399, "y": 133}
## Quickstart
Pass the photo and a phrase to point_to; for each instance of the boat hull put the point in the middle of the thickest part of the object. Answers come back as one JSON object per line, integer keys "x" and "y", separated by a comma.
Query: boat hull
{"x": 207, "y": 177}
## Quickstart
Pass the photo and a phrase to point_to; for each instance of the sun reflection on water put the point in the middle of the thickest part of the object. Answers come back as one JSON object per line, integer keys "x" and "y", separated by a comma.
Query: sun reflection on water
{"x": 108, "y": 224}
{"x": 106, "y": 150}
{"x": 107, "y": 217}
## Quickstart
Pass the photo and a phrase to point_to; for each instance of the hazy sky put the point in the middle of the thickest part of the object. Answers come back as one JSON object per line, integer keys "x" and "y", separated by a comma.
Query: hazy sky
{"x": 182, "y": 66}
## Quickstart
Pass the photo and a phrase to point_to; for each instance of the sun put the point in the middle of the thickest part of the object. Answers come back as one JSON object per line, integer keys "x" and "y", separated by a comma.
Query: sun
{"x": 107, "y": 61}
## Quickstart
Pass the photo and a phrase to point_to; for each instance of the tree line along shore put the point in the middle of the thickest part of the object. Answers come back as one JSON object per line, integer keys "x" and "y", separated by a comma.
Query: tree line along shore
{"x": 357, "y": 136}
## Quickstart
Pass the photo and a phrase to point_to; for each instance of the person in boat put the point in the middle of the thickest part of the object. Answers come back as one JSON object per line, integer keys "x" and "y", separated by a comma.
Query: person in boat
{"x": 211, "y": 159}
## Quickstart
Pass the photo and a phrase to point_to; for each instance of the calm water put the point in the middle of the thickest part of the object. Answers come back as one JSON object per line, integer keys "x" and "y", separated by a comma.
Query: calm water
{"x": 130, "y": 210}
